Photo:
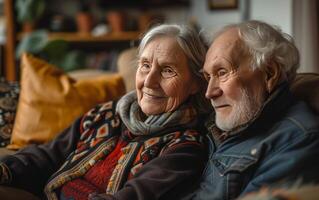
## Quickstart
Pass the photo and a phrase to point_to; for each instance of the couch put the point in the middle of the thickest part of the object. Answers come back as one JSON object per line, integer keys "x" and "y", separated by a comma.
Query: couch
{"x": 90, "y": 86}
{"x": 56, "y": 84}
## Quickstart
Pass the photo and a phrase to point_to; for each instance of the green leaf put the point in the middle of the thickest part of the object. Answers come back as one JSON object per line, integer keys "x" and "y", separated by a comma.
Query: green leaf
{"x": 29, "y": 10}
{"x": 55, "y": 49}
{"x": 72, "y": 61}
{"x": 32, "y": 43}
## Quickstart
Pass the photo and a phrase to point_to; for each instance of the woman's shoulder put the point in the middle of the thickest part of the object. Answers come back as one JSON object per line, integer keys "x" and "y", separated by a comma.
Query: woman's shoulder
{"x": 101, "y": 108}
{"x": 185, "y": 137}
{"x": 100, "y": 114}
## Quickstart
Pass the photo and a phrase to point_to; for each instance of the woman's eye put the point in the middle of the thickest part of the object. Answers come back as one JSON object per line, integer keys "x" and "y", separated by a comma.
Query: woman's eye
{"x": 168, "y": 72}
{"x": 144, "y": 67}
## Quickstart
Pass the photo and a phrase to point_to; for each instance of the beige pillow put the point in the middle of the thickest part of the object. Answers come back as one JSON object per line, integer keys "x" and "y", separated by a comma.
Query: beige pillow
{"x": 50, "y": 100}
{"x": 127, "y": 66}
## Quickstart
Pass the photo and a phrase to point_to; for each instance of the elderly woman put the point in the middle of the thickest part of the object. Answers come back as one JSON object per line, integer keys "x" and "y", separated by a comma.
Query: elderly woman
{"x": 148, "y": 145}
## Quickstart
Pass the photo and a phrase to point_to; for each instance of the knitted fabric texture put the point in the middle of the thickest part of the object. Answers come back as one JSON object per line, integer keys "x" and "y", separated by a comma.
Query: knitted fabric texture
{"x": 101, "y": 129}
{"x": 132, "y": 116}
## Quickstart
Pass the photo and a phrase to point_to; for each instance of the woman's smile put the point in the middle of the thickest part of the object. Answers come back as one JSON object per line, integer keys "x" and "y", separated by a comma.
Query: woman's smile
{"x": 153, "y": 96}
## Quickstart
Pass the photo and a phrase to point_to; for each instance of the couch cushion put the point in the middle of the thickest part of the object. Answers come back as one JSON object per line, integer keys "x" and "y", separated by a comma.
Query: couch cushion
{"x": 306, "y": 88}
{"x": 9, "y": 94}
{"x": 50, "y": 100}
{"x": 10, "y": 193}
{"x": 127, "y": 66}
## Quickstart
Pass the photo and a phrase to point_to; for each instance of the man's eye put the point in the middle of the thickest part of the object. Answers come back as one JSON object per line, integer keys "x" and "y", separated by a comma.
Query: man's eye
{"x": 207, "y": 76}
{"x": 168, "y": 72}
{"x": 222, "y": 73}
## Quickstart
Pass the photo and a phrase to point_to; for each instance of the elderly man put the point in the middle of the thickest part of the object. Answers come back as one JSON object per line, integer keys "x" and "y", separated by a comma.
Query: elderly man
{"x": 260, "y": 134}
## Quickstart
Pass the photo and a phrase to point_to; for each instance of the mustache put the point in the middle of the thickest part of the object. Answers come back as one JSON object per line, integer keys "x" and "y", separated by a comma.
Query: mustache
{"x": 219, "y": 103}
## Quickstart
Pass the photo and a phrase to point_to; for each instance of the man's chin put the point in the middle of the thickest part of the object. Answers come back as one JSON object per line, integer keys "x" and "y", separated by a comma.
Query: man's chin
{"x": 223, "y": 127}
{"x": 224, "y": 124}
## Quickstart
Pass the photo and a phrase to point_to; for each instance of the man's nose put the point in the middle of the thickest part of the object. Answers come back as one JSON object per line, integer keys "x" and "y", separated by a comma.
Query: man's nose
{"x": 213, "y": 90}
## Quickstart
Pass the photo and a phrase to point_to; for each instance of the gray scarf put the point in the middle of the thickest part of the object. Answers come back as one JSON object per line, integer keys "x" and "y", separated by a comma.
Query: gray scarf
{"x": 139, "y": 124}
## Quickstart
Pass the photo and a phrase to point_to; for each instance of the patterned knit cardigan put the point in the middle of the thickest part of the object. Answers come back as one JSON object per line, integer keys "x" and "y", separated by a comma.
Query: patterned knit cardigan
{"x": 100, "y": 130}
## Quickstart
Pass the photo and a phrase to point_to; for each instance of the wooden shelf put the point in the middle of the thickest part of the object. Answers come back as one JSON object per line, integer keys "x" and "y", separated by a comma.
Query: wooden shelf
{"x": 83, "y": 37}
{"x": 80, "y": 41}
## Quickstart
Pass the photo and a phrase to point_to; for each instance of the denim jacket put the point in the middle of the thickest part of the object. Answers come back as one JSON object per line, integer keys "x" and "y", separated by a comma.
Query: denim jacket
{"x": 280, "y": 146}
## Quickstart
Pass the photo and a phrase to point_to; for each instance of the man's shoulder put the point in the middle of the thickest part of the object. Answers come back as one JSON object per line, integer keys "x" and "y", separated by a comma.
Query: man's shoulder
{"x": 297, "y": 130}
{"x": 301, "y": 119}
{"x": 297, "y": 125}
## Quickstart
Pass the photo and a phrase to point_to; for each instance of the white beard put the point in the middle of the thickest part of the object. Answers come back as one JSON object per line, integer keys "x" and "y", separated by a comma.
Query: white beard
{"x": 242, "y": 112}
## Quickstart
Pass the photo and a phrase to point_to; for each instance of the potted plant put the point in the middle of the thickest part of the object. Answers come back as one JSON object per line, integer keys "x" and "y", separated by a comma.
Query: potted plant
{"x": 28, "y": 12}
{"x": 56, "y": 51}
{"x": 84, "y": 19}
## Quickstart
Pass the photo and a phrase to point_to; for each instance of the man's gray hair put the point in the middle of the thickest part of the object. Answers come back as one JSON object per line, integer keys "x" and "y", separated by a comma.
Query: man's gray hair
{"x": 267, "y": 44}
{"x": 193, "y": 47}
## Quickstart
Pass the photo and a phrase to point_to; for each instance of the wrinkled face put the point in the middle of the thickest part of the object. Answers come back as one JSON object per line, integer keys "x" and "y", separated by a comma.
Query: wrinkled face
{"x": 236, "y": 91}
{"x": 163, "y": 78}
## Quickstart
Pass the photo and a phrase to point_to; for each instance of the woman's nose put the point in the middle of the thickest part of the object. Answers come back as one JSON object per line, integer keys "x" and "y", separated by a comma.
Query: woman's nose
{"x": 213, "y": 90}
{"x": 152, "y": 79}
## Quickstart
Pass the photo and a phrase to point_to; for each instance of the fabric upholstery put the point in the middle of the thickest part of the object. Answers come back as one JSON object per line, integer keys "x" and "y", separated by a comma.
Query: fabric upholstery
{"x": 127, "y": 66}
{"x": 306, "y": 87}
{"x": 50, "y": 100}
{"x": 9, "y": 95}
{"x": 10, "y": 193}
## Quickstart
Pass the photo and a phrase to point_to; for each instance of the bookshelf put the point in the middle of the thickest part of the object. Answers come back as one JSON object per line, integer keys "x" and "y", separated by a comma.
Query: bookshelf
{"x": 87, "y": 38}
{"x": 10, "y": 66}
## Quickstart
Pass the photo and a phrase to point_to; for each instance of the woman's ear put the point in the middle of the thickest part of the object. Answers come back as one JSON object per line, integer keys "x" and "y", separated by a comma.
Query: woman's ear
{"x": 273, "y": 75}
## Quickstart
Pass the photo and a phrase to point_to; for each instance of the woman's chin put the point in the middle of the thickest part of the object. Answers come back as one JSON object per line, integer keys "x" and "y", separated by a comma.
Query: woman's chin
{"x": 151, "y": 111}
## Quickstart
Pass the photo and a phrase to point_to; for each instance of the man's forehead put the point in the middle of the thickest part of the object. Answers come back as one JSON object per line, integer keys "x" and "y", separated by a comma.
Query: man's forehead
{"x": 226, "y": 40}
{"x": 225, "y": 48}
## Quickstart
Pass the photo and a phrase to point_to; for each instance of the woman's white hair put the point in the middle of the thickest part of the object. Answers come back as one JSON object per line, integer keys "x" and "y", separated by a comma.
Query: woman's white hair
{"x": 187, "y": 39}
{"x": 267, "y": 44}
{"x": 193, "y": 47}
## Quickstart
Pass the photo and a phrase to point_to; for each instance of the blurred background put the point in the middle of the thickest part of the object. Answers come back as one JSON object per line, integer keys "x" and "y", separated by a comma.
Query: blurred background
{"x": 78, "y": 34}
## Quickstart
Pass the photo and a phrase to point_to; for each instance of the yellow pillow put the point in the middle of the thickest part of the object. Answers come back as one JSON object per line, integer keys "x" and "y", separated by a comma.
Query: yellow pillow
{"x": 50, "y": 100}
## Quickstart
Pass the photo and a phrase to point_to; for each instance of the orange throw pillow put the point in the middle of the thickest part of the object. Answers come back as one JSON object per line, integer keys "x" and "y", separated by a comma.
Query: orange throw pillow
{"x": 50, "y": 100}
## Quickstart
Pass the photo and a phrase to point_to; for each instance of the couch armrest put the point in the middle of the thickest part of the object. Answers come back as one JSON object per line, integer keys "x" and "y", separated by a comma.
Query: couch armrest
{"x": 4, "y": 151}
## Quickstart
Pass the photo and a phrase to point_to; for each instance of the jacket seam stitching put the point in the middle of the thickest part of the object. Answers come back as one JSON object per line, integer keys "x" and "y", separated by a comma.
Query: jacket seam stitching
{"x": 297, "y": 124}
{"x": 297, "y": 139}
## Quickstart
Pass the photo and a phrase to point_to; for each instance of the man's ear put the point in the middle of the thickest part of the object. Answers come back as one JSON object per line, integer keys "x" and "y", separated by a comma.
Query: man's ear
{"x": 273, "y": 76}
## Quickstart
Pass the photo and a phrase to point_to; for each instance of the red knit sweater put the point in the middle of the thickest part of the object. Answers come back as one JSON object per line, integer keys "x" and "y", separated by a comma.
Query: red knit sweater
{"x": 96, "y": 179}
